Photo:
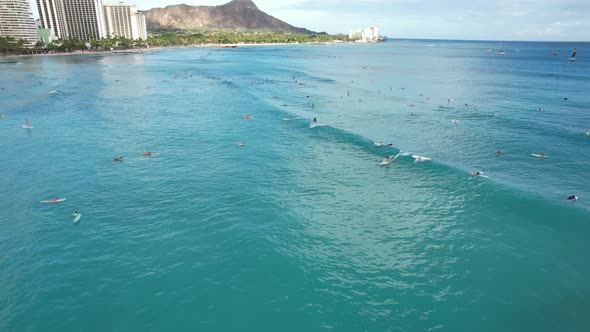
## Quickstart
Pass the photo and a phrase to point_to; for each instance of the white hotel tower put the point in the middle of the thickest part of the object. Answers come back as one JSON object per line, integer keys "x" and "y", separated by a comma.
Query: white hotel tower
{"x": 16, "y": 20}
{"x": 84, "y": 19}
{"x": 52, "y": 16}
{"x": 124, "y": 21}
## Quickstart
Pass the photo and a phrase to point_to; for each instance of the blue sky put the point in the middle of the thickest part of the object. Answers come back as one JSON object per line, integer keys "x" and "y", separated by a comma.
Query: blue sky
{"x": 558, "y": 20}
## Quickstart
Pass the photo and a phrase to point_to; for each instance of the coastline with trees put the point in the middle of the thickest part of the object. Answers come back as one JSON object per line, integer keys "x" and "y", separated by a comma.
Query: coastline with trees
{"x": 164, "y": 39}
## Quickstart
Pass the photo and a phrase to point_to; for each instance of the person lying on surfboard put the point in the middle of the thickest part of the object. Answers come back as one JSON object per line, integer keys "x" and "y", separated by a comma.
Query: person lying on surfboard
{"x": 119, "y": 159}
{"x": 572, "y": 198}
{"x": 479, "y": 173}
{"x": 498, "y": 153}
{"x": 148, "y": 153}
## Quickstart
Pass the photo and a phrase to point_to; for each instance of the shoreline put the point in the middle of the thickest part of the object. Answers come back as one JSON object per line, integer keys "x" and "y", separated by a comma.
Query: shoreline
{"x": 147, "y": 49}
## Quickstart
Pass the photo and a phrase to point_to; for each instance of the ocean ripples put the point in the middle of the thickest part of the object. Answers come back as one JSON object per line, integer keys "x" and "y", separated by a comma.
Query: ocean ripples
{"x": 300, "y": 229}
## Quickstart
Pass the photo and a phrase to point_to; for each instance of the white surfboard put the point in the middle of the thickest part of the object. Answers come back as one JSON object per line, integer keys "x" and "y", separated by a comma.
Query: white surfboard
{"x": 538, "y": 155}
{"x": 53, "y": 200}
{"x": 313, "y": 125}
{"x": 420, "y": 158}
{"x": 77, "y": 219}
{"x": 382, "y": 144}
{"x": 28, "y": 127}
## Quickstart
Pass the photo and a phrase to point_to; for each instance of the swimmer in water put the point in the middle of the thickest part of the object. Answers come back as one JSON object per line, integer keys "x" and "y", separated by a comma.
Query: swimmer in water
{"x": 119, "y": 159}
{"x": 148, "y": 153}
{"x": 75, "y": 213}
{"x": 498, "y": 153}
{"x": 572, "y": 198}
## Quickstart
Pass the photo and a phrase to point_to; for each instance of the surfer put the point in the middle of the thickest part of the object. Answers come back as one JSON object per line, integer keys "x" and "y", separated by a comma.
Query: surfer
{"x": 248, "y": 116}
{"x": 587, "y": 133}
{"x": 455, "y": 121}
{"x": 572, "y": 198}
{"x": 479, "y": 173}
{"x": 75, "y": 213}
{"x": 498, "y": 153}
{"x": 241, "y": 144}
{"x": 148, "y": 153}
{"x": 387, "y": 159}
{"x": 573, "y": 56}
{"x": 119, "y": 159}
{"x": 315, "y": 120}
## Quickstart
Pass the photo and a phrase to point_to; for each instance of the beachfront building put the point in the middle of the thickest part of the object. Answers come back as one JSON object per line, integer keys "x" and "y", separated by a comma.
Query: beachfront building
{"x": 367, "y": 35}
{"x": 124, "y": 21}
{"x": 16, "y": 21}
{"x": 84, "y": 19}
{"x": 52, "y": 16}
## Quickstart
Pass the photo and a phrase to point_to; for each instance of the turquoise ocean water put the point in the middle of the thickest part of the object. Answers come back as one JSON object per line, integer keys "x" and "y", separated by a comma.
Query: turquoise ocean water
{"x": 300, "y": 230}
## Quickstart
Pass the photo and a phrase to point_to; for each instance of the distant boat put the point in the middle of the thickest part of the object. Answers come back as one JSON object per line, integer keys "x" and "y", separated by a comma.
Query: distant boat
{"x": 573, "y": 56}
{"x": 500, "y": 49}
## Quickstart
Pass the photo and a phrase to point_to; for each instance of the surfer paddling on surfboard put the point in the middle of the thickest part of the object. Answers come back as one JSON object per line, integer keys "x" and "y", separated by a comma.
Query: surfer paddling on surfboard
{"x": 572, "y": 198}
{"x": 479, "y": 173}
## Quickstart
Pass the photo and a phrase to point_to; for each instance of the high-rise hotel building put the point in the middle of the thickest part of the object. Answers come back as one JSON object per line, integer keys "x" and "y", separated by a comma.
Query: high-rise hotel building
{"x": 16, "y": 20}
{"x": 53, "y": 17}
{"x": 124, "y": 21}
{"x": 89, "y": 19}
{"x": 84, "y": 19}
